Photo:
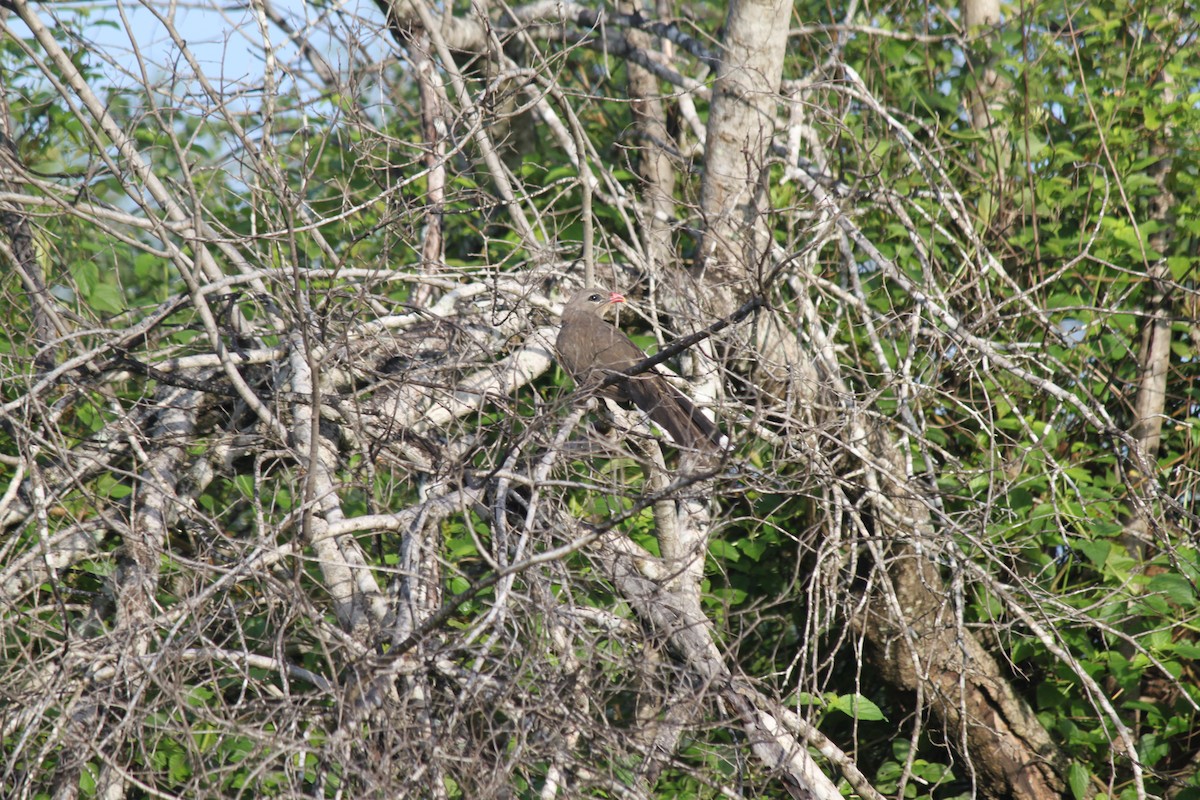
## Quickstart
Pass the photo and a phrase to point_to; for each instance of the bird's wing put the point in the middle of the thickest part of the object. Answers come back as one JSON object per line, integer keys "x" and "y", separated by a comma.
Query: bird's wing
{"x": 591, "y": 349}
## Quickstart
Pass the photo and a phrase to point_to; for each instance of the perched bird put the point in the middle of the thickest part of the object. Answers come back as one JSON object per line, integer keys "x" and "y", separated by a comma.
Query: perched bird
{"x": 591, "y": 349}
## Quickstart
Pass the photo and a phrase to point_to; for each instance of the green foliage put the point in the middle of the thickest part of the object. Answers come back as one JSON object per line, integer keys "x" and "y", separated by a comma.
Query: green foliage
{"x": 924, "y": 778}
{"x": 1094, "y": 126}
{"x": 1096, "y": 118}
{"x": 855, "y": 706}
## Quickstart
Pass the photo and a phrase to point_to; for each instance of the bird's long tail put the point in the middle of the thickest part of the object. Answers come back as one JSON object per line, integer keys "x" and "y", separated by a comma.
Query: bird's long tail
{"x": 673, "y": 412}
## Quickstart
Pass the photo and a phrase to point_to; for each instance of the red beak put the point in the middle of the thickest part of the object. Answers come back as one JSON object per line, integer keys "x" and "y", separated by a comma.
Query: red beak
{"x": 615, "y": 297}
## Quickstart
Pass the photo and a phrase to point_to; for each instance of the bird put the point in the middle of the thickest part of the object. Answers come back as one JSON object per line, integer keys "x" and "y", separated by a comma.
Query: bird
{"x": 591, "y": 349}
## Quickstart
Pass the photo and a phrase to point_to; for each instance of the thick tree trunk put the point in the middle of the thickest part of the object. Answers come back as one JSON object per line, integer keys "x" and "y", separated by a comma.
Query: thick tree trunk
{"x": 741, "y": 124}
{"x": 919, "y": 644}
{"x": 735, "y": 202}
{"x": 917, "y": 641}
{"x": 1009, "y": 751}
{"x": 981, "y": 18}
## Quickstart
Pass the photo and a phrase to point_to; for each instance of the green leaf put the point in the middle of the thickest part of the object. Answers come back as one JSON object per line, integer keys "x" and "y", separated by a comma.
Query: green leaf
{"x": 719, "y": 548}
{"x": 1096, "y": 552}
{"x": 1078, "y": 777}
{"x": 86, "y": 275}
{"x": 1186, "y": 650}
{"x": 752, "y": 548}
{"x": 106, "y": 298}
{"x": 109, "y": 486}
{"x": 857, "y": 706}
{"x": 1176, "y": 587}
{"x": 730, "y": 595}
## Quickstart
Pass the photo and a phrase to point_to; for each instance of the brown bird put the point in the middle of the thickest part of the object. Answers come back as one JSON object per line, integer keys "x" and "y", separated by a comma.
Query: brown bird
{"x": 591, "y": 349}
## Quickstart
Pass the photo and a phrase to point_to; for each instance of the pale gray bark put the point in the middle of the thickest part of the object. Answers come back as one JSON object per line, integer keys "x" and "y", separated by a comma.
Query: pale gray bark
{"x": 741, "y": 125}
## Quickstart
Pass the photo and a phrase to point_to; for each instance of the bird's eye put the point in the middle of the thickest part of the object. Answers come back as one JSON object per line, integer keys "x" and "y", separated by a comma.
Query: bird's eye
{"x": 594, "y": 298}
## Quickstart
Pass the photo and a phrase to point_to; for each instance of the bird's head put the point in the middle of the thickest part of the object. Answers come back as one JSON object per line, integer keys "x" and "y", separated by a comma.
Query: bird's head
{"x": 594, "y": 301}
